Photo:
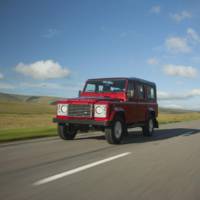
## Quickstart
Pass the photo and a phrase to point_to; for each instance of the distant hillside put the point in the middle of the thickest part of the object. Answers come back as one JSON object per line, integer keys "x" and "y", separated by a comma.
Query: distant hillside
{"x": 24, "y": 104}
{"x": 12, "y": 97}
{"x": 4, "y": 97}
{"x": 173, "y": 111}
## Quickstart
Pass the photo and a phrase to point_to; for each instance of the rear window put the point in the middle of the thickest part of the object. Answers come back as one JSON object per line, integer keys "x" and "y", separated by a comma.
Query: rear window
{"x": 151, "y": 93}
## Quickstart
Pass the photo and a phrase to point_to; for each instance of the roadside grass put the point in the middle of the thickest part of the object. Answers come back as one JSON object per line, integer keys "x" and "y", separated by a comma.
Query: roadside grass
{"x": 165, "y": 118}
{"x": 13, "y": 121}
{"x": 25, "y": 120}
{"x": 8, "y": 135}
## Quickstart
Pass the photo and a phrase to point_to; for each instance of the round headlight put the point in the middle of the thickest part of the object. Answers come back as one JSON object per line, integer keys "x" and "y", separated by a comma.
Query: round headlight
{"x": 64, "y": 108}
{"x": 99, "y": 109}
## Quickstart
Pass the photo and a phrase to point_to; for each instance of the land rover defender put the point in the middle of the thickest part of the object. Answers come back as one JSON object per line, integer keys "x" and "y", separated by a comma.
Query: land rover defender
{"x": 112, "y": 105}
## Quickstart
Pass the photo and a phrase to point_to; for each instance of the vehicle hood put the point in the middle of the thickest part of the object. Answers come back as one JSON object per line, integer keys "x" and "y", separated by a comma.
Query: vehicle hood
{"x": 90, "y": 100}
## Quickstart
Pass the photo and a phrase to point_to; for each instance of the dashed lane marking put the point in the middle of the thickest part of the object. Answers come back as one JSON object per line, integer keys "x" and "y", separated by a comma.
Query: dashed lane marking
{"x": 79, "y": 169}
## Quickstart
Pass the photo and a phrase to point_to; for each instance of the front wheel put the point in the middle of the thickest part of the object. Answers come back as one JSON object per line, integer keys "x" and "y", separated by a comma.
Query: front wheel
{"x": 148, "y": 128}
{"x": 115, "y": 132}
{"x": 67, "y": 132}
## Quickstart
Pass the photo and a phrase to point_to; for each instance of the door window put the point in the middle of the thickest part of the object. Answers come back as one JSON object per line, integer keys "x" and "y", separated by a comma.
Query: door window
{"x": 131, "y": 90}
{"x": 140, "y": 91}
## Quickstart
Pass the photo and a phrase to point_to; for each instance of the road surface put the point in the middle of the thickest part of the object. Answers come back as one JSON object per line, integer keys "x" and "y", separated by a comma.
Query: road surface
{"x": 166, "y": 166}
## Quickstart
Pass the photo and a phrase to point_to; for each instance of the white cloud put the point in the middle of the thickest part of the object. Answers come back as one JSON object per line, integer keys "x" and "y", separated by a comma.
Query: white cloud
{"x": 51, "y": 33}
{"x": 193, "y": 35}
{"x": 155, "y": 9}
{"x": 6, "y": 86}
{"x": 178, "y": 17}
{"x": 180, "y": 70}
{"x": 177, "y": 45}
{"x": 43, "y": 70}
{"x": 1, "y": 76}
{"x": 172, "y": 106}
{"x": 164, "y": 95}
{"x": 195, "y": 92}
{"x": 152, "y": 61}
{"x": 183, "y": 44}
{"x": 169, "y": 96}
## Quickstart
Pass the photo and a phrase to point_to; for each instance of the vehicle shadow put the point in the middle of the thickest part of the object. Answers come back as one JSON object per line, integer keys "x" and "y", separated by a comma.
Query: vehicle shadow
{"x": 137, "y": 137}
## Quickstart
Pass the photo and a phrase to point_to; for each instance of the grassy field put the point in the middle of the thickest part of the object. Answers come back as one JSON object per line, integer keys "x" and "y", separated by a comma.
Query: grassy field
{"x": 165, "y": 118}
{"x": 24, "y": 117}
{"x": 26, "y": 133}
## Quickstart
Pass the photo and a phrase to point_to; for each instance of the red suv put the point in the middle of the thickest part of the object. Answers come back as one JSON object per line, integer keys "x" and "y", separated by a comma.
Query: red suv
{"x": 112, "y": 105}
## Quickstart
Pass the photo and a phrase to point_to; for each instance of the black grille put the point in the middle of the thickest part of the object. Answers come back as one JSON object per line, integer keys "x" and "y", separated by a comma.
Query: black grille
{"x": 77, "y": 110}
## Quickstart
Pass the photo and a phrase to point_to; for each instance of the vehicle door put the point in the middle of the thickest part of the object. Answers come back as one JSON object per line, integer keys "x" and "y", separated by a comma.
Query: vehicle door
{"x": 141, "y": 102}
{"x": 131, "y": 113}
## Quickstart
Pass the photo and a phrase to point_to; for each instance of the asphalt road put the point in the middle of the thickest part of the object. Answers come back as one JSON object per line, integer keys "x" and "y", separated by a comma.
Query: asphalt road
{"x": 166, "y": 166}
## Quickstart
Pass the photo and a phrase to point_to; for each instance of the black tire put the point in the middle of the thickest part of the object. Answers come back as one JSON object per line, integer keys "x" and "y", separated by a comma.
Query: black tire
{"x": 114, "y": 134}
{"x": 66, "y": 132}
{"x": 148, "y": 128}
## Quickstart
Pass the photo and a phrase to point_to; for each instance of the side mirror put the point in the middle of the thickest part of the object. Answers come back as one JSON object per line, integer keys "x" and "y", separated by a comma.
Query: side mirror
{"x": 130, "y": 94}
{"x": 79, "y": 93}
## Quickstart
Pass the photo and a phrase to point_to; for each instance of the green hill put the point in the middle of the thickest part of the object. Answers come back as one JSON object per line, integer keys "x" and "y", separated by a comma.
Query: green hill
{"x": 5, "y": 97}
{"x": 23, "y": 104}
{"x": 173, "y": 110}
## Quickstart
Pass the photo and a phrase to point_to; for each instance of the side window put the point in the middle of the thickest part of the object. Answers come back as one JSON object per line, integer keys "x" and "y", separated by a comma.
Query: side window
{"x": 140, "y": 91}
{"x": 131, "y": 90}
{"x": 150, "y": 93}
{"x": 100, "y": 88}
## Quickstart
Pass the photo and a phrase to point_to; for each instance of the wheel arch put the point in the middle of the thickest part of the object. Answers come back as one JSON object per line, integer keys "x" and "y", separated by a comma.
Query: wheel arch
{"x": 151, "y": 113}
{"x": 118, "y": 112}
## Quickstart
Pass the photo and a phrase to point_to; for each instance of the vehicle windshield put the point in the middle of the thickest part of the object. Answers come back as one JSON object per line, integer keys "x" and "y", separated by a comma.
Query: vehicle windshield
{"x": 105, "y": 85}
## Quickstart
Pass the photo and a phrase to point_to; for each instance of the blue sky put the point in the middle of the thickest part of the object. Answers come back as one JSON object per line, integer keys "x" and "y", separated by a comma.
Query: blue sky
{"x": 52, "y": 47}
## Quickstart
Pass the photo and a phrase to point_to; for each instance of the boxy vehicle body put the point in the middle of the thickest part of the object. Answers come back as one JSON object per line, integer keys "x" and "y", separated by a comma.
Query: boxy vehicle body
{"x": 112, "y": 105}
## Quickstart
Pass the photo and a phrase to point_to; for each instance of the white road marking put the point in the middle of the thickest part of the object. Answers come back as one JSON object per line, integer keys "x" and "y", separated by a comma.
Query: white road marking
{"x": 73, "y": 171}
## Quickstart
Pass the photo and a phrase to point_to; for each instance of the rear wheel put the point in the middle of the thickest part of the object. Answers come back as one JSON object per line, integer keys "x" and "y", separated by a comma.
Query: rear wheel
{"x": 115, "y": 132}
{"x": 66, "y": 132}
{"x": 148, "y": 129}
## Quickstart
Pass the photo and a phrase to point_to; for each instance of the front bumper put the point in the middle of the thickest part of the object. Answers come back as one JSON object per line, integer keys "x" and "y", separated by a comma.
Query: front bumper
{"x": 81, "y": 122}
